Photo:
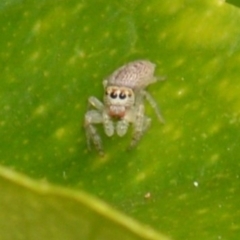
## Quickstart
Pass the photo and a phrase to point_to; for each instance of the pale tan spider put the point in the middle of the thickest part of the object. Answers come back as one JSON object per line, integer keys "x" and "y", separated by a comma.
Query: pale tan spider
{"x": 123, "y": 104}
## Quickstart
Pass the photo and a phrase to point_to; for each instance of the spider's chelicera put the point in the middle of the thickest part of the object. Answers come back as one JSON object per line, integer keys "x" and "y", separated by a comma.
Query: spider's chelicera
{"x": 123, "y": 104}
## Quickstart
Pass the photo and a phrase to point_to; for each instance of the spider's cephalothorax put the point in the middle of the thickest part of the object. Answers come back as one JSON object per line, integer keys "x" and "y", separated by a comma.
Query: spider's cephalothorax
{"x": 123, "y": 103}
{"x": 118, "y": 100}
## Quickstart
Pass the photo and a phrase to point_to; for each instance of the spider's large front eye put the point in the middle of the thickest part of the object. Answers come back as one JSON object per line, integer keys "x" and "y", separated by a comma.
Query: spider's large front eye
{"x": 113, "y": 95}
{"x": 122, "y": 95}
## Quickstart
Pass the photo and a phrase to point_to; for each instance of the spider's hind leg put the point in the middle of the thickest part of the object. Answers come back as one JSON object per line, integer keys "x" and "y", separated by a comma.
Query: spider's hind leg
{"x": 153, "y": 104}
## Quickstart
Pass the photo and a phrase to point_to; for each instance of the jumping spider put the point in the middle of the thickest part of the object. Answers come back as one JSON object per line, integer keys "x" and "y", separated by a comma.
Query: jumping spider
{"x": 123, "y": 104}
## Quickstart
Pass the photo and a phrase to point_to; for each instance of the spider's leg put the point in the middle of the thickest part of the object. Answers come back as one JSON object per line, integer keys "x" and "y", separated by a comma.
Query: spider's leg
{"x": 147, "y": 123}
{"x": 108, "y": 124}
{"x": 93, "y": 117}
{"x": 138, "y": 125}
{"x": 93, "y": 101}
{"x": 153, "y": 104}
{"x": 122, "y": 127}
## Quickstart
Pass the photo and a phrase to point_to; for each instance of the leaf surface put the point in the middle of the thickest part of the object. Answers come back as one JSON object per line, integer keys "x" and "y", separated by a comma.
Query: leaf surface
{"x": 183, "y": 177}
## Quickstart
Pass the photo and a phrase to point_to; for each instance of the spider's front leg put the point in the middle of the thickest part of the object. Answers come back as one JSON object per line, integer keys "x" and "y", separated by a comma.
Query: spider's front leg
{"x": 107, "y": 124}
{"x": 140, "y": 124}
{"x": 122, "y": 127}
{"x": 94, "y": 117}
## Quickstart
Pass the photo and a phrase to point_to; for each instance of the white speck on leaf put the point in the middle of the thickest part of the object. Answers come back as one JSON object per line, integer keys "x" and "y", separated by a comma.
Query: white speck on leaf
{"x": 195, "y": 183}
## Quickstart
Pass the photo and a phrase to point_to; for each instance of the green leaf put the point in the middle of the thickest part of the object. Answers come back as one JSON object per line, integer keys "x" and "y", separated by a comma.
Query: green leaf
{"x": 234, "y": 2}
{"x": 183, "y": 177}
{"x": 40, "y": 211}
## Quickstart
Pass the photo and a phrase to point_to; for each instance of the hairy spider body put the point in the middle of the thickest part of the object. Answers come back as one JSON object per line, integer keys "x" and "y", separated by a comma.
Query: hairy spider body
{"x": 123, "y": 104}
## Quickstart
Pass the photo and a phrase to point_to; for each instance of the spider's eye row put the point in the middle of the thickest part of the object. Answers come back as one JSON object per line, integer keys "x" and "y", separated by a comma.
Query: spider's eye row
{"x": 122, "y": 94}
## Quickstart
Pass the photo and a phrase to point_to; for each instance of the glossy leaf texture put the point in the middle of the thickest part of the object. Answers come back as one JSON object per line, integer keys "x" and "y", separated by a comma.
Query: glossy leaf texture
{"x": 183, "y": 177}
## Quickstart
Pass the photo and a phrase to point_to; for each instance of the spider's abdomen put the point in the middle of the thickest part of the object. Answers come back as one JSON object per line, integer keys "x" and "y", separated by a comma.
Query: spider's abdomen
{"x": 134, "y": 75}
